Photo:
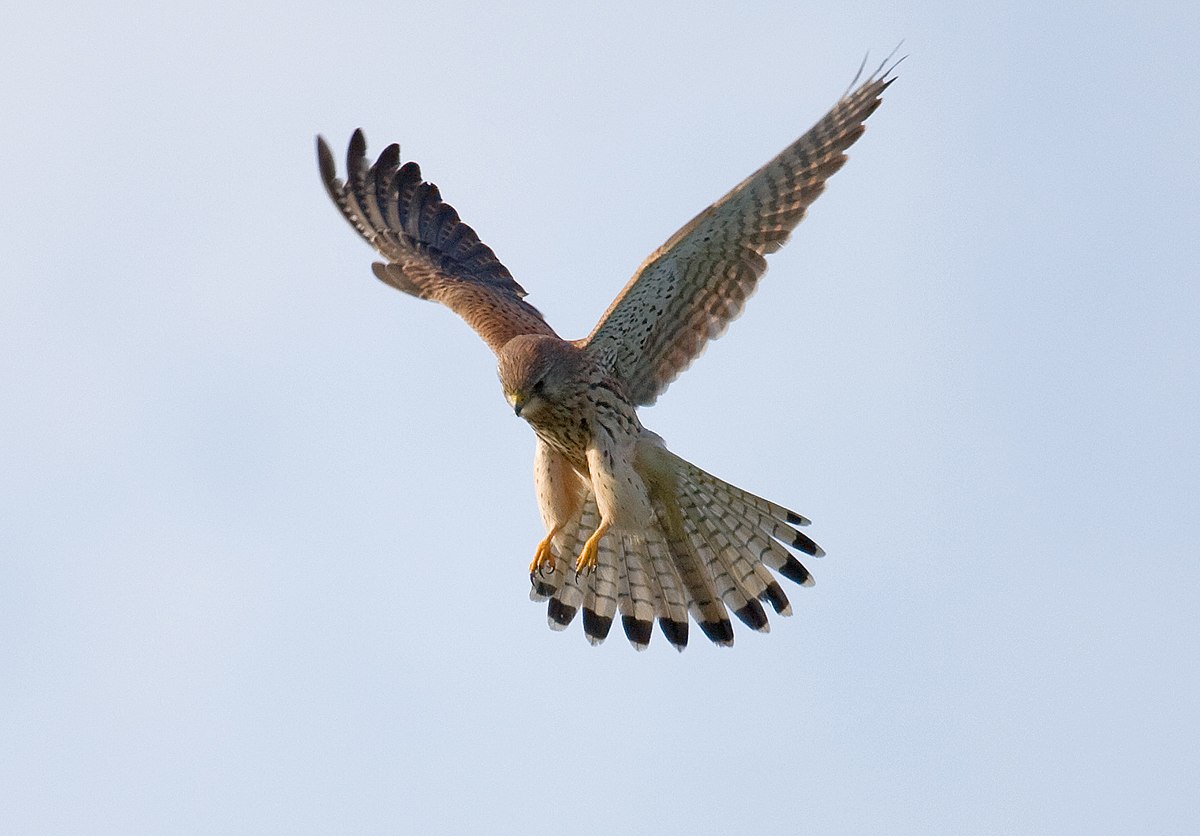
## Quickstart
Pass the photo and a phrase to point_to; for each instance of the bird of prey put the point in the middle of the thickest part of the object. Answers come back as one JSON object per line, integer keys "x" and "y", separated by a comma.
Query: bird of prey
{"x": 631, "y": 528}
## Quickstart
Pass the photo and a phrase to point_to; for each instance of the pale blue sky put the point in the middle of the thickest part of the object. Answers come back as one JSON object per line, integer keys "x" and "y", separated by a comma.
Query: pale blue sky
{"x": 262, "y": 558}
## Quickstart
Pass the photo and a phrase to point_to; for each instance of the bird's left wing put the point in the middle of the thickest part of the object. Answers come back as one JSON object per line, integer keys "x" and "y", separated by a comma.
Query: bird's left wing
{"x": 689, "y": 290}
{"x": 431, "y": 253}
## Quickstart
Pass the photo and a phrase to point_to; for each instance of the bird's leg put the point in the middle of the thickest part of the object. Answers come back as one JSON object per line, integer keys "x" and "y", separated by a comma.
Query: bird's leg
{"x": 543, "y": 556}
{"x": 587, "y": 557}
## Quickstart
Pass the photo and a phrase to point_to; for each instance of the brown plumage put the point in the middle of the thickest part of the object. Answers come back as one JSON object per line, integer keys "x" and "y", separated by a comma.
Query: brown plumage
{"x": 656, "y": 537}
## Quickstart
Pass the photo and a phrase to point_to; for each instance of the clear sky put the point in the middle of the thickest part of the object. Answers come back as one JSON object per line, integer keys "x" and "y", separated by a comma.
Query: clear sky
{"x": 264, "y": 522}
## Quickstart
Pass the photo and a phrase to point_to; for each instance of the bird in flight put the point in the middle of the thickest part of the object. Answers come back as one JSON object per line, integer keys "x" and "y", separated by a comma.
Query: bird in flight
{"x": 631, "y": 528}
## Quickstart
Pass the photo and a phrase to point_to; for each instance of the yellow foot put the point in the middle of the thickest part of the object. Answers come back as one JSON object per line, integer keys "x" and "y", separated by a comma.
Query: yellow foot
{"x": 587, "y": 557}
{"x": 543, "y": 558}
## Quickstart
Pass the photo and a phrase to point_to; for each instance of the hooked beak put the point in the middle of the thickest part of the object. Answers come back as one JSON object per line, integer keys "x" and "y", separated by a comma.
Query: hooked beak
{"x": 517, "y": 403}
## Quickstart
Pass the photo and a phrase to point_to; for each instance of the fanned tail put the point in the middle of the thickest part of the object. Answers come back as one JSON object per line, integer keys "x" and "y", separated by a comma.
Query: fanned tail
{"x": 711, "y": 550}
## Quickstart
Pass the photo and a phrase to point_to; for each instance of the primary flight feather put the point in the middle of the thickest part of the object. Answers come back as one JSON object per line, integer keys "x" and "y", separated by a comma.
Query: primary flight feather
{"x": 631, "y": 529}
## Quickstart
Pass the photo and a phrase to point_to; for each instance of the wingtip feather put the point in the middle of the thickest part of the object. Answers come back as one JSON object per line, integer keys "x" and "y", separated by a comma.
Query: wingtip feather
{"x": 325, "y": 161}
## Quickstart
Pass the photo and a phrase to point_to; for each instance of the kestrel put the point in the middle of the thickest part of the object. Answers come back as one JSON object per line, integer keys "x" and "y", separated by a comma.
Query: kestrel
{"x": 631, "y": 528}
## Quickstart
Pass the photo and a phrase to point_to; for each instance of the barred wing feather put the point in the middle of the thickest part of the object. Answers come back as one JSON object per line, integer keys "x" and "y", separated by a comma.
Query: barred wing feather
{"x": 689, "y": 290}
{"x": 430, "y": 252}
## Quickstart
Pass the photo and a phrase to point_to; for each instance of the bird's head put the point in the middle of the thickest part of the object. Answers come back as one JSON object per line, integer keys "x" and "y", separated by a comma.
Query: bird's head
{"x": 537, "y": 371}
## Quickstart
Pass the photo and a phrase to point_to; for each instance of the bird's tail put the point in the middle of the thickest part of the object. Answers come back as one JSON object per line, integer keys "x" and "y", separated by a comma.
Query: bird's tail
{"x": 711, "y": 548}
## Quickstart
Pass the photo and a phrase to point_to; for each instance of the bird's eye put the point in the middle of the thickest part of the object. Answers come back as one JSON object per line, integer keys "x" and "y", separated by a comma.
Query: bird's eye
{"x": 539, "y": 386}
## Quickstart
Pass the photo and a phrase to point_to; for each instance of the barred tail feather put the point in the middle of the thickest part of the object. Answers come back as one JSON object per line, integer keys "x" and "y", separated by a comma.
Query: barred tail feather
{"x": 671, "y": 599}
{"x": 712, "y": 549}
{"x": 703, "y": 604}
{"x": 600, "y": 598}
{"x": 740, "y": 538}
{"x": 635, "y": 599}
{"x": 736, "y": 581}
{"x": 564, "y": 585}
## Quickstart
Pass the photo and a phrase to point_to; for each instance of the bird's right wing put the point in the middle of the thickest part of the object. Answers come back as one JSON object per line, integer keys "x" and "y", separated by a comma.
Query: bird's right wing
{"x": 431, "y": 253}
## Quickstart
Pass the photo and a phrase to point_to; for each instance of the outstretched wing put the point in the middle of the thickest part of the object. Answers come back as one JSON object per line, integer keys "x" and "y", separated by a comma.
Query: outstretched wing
{"x": 431, "y": 253}
{"x": 689, "y": 290}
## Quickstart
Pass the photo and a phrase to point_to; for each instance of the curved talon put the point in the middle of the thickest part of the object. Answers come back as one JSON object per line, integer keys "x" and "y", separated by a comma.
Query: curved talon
{"x": 587, "y": 557}
{"x": 543, "y": 559}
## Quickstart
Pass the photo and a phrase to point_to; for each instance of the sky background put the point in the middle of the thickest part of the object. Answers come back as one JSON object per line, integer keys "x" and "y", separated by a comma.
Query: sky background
{"x": 264, "y": 522}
